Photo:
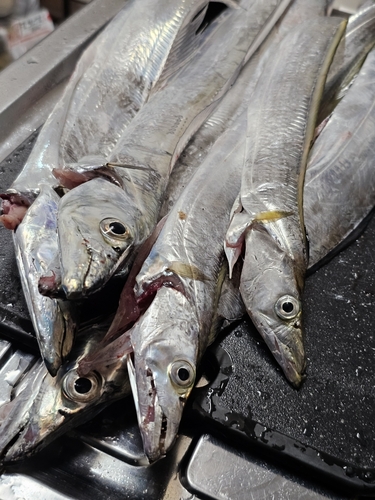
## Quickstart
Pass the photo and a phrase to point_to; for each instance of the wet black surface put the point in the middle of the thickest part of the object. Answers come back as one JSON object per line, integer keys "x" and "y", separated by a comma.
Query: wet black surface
{"x": 333, "y": 412}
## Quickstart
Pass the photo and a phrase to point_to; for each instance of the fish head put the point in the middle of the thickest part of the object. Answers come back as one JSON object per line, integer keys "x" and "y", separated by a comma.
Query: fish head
{"x": 162, "y": 369}
{"x": 43, "y": 407}
{"x": 97, "y": 227}
{"x": 272, "y": 296}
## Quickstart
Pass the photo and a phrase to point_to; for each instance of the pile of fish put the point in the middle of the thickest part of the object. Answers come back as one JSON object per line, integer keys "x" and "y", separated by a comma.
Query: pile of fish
{"x": 203, "y": 155}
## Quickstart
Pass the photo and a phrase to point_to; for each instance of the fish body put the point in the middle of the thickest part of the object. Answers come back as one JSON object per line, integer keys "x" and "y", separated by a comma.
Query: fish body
{"x": 339, "y": 189}
{"x": 140, "y": 47}
{"x": 268, "y": 214}
{"x": 183, "y": 274}
{"x": 42, "y": 407}
{"x": 231, "y": 106}
{"x": 146, "y": 153}
{"x": 351, "y": 52}
{"x": 35, "y": 242}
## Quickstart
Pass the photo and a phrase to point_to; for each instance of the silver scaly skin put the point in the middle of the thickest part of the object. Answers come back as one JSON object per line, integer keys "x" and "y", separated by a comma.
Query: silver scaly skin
{"x": 42, "y": 407}
{"x": 351, "y": 52}
{"x": 339, "y": 188}
{"x": 231, "y": 106}
{"x": 268, "y": 214}
{"x": 144, "y": 44}
{"x": 35, "y": 242}
{"x": 172, "y": 335}
{"x": 145, "y": 155}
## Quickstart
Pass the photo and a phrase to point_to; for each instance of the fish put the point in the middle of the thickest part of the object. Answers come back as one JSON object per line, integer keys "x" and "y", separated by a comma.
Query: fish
{"x": 42, "y": 408}
{"x": 182, "y": 276}
{"x": 146, "y": 153}
{"x": 351, "y": 52}
{"x": 339, "y": 191}
{"x": 35, "y": 242}
{"x": 231, "y": 106}
{"x": 143, "y": 46}
{"x": 154, "y": 336}
{"x": 267, "y": 217}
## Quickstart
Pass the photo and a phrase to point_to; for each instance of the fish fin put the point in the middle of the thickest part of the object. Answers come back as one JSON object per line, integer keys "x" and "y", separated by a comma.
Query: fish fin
{"x": 184, "y": 47}
{"x": 187, "y": 271}
{"x": 231, "y": 306}
{"x": 101, "y": 358}
{"x": 217, "y": 319}
{"x": 235, "y": 237}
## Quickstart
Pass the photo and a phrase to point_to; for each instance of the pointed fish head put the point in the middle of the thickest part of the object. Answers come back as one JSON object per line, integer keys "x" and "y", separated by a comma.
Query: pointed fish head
{"x": 162, "y": 369}
{"x": 44, "y": 407}
{"x": 272, "y": 298}
{"x": 97, "y": 228}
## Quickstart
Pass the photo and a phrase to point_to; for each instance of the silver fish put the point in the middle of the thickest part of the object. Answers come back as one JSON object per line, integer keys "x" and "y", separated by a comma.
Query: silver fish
{"x": 41, "y": 407}
{"x": 142, "y": 46}
{"x": 351, "y": 52}
{"x": 170, "y": 338}
{"x": 35, "y": 242}
{"x": 231, "y": 107}
{"x": 339, "y": 189}
{"x": 149, "y": 148}
{"x": 268, "y": 213}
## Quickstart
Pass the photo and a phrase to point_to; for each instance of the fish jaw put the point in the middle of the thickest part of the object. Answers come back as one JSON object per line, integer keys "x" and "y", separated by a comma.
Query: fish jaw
{"x": 50, "y": 415}
{"x": 158, "y": 430}
{"x": 270, "y": 291}
{"x": 44, "y": 407}
{"x": 164, "y": 350}
{"x": 97, "y": 227}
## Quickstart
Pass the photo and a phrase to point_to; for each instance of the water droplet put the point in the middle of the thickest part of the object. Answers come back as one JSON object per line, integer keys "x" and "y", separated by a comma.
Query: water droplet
{"x": 349, "y": 471}
{"x": 308, "y": 430}
{"x": 368, "y": 476}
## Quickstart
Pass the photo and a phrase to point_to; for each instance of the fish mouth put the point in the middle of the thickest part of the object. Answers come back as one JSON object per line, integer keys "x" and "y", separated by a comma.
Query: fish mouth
{"x": 289, "y": 355}
{"x": 157, "y": 431}
{"x": 20, "y": 433}
{"x": 100, "y": 265}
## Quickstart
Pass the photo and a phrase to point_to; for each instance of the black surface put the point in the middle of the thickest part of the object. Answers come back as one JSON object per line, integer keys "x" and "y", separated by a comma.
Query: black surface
{"x": 333, "y": 412}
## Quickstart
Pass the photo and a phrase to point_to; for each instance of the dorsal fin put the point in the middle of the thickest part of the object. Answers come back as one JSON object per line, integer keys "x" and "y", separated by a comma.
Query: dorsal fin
{"x": 184, "y": 47}
{"x": 189, "y": 40}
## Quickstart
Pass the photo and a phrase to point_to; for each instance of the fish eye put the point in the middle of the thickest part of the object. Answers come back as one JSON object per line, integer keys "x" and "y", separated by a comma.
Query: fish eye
{"x": 112, "y": 228}
{"x": 81, "y": 389}
{"x": 287, "y": 307}
{"x": 182, "y": 374}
